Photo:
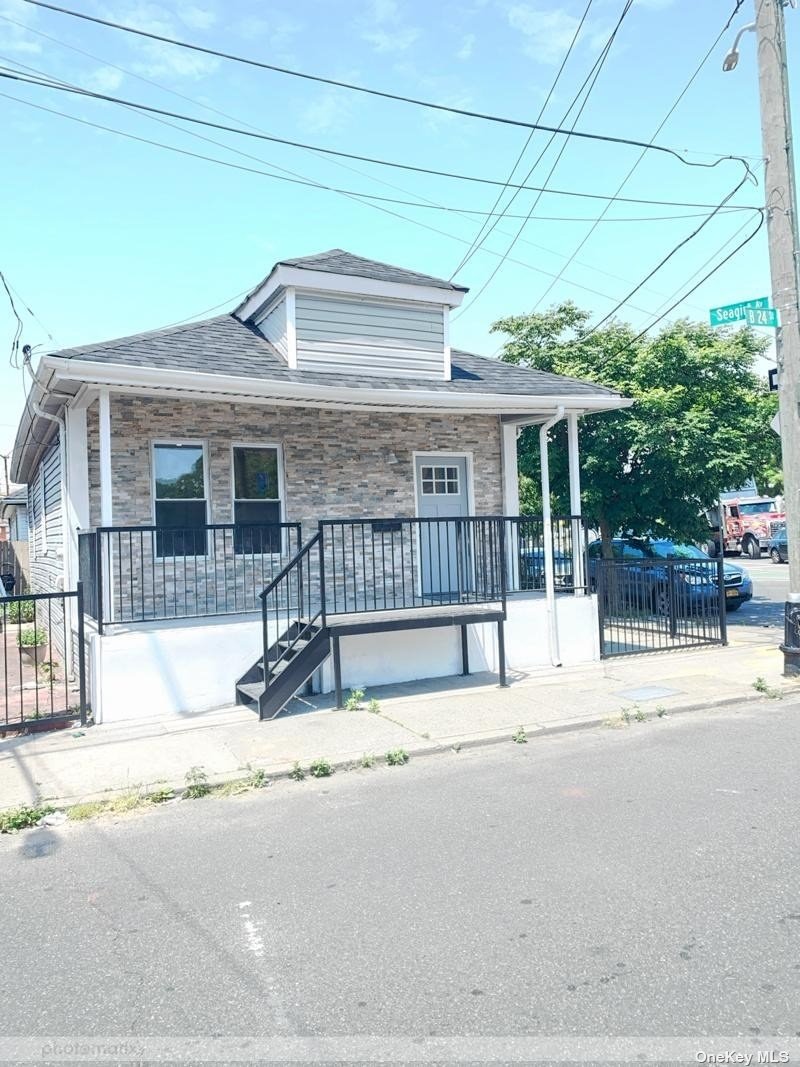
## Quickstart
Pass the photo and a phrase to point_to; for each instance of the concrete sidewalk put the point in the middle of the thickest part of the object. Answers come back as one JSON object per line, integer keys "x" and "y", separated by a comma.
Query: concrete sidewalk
{"x": 421, "y": 717}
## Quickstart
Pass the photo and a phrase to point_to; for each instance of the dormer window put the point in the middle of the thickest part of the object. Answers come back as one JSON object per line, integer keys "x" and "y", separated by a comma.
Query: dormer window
{"x": 337, "y": 313}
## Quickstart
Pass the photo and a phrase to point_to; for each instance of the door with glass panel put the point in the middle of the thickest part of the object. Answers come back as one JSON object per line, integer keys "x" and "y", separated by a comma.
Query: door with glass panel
{"x": 444, "y": 543}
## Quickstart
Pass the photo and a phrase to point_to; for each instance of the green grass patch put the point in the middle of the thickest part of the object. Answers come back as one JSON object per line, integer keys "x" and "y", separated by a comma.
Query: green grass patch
{"x": 20, "y": 818}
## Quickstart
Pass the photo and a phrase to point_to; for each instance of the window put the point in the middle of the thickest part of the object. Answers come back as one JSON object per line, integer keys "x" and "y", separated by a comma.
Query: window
{"x": 440, "y": 481}
{"x": 256, "y": 499}
{"x": 180, "y": 499}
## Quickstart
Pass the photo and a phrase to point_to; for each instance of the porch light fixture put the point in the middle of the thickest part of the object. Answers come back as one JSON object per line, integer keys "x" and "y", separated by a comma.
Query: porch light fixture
{"x": 732, "y": 58}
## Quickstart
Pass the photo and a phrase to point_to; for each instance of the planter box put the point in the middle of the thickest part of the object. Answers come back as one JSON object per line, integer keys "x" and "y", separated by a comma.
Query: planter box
{"x": 33, "y": 654}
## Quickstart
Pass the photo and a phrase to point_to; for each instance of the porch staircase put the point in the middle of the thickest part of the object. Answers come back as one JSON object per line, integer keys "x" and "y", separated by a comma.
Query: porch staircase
{"x": 292, "y": 659}
{"x": 302, "y": 645}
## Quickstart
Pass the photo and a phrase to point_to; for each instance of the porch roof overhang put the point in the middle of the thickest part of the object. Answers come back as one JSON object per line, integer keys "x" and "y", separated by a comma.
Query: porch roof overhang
{"x": 62, "y": 380}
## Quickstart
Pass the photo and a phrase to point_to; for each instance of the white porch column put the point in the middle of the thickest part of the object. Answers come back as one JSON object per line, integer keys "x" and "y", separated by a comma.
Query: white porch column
{"x": 76, "y": 496}
{"x": 508, "y": 434}
{"x": 106, "y": 507}
{"x": 575, "y": 503}
{"x": 549, "y": 568}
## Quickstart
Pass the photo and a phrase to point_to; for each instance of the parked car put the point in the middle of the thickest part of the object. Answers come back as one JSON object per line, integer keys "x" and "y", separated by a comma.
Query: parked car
{"x": 778, "y": 547}
{"x": 531, "y": 569}
{"x": 650, "y": 582}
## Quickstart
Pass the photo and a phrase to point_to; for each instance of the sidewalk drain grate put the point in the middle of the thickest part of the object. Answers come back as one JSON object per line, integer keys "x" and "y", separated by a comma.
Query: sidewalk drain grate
{"x": 648, "y": 692}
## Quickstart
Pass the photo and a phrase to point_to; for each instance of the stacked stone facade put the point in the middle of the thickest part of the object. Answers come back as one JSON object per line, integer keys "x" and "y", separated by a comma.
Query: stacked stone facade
{"x": 336, "y": 464}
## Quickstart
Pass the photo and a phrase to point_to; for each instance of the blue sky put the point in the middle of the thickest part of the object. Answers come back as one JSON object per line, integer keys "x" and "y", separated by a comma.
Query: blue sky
{"x": 104, "y": 236}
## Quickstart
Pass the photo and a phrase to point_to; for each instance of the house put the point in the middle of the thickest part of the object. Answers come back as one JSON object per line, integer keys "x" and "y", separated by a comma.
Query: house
{"x": 313, "y": 489}
{"x": 14, "y": 511}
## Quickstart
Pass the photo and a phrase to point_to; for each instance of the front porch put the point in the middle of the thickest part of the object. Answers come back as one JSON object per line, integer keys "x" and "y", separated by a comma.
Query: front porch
{"x": 362, "y": 602}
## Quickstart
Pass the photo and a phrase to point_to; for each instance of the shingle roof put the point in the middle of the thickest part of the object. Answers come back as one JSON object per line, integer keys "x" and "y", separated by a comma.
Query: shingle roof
{"x": 338, "y": 261}
{"x": 226, "y": 346}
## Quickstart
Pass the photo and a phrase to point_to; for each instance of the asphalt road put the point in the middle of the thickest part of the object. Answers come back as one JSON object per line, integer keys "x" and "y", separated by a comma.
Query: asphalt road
{"x": 640, "y": 881}
{"x": 770, "y": 585}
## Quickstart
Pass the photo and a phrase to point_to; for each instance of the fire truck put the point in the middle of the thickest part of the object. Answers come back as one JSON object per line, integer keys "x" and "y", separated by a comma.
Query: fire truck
{"x": 743, "y": 525}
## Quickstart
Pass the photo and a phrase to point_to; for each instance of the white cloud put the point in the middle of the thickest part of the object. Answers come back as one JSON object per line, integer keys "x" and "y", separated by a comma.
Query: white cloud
{"x": 198, "y": 18}
{"x": 546, "y": 34}
{"x": 105, "y": 79}
{"x": 383, "y": 25}
{"x": 467, "y": 46}
{"x": 15, "y": 38}
{"x": 156, "y": 60}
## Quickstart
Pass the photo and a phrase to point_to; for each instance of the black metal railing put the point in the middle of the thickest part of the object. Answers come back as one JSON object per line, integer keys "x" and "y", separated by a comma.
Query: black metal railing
{"x": 147, "y": 573}
{"x": 525, "y": 542}
{"x": 290, "y": 606}
{"x": 42, "y": 660}
{"x": 651, "y": 605}
{"x": 388, "y": 564}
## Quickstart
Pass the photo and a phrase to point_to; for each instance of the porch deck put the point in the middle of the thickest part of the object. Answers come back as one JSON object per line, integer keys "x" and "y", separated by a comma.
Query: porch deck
{"x": 361, "y": 622}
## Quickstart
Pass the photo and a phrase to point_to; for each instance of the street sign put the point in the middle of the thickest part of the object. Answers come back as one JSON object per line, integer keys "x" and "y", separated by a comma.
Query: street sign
{"x": 761, "y": 317}
{"x": 772, "y": 376}
{"x": 728, "y": 313}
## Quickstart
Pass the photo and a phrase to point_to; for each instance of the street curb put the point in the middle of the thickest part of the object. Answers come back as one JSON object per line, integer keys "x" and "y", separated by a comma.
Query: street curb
{"x": 455, "y": 745}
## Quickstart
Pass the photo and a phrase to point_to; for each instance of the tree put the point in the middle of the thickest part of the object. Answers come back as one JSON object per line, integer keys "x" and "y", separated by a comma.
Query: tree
{"x": 699, "y": 424}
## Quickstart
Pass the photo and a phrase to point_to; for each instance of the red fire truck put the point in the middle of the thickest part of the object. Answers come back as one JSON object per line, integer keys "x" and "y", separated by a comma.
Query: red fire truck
{"x": 743, "y": 525}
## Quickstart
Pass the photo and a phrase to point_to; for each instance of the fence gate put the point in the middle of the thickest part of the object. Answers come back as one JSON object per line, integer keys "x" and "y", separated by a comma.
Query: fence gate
{"x": 648, "y": 605}
{"x": 42, "y": 660}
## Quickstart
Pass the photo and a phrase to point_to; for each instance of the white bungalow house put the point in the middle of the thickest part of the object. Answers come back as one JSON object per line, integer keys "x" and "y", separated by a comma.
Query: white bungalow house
{"x": 312, "y": 491}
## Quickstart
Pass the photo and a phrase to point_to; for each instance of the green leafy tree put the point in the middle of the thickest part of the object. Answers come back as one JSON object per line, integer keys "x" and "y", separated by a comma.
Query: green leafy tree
{"x": 699, "y": 424}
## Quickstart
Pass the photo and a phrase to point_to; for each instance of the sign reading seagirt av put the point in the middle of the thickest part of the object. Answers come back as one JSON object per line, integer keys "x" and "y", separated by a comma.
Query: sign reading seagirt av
{"x": 730, "y": 313}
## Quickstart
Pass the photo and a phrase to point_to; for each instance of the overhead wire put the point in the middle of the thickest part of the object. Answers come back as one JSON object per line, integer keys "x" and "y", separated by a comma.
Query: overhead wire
{"x": 641, "y": 156}
{"x": 553, "y": 85}
{"x": 588, "y": 86}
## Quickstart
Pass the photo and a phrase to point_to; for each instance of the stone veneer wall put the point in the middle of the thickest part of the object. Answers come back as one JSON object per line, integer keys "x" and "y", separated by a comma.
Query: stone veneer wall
{"x": 337, "y": 464}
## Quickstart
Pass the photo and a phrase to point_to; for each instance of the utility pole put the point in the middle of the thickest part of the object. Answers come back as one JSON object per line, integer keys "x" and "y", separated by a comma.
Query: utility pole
{"x": 784, "y": 259}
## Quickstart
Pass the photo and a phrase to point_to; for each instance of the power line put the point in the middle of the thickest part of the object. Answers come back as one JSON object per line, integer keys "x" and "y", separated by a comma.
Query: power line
{"x": 582, "y": 134}
{"x": 176, "y": 42}
{"x": 14, "y": 354}
{"x": 594, "y": 74}
{"x": 468, "y": 254}
{"x": 78, "y": 91}
{"x": 641, "y": 156}
{"x": 349, "y": 192}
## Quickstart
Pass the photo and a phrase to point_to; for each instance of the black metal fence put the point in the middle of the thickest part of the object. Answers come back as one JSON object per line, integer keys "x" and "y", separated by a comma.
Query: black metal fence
{"x": 526, "y": 552}
{"x": 42, "y": 660}
{"x": 145, "y": 573}
{"x": 653, "y": 605}
{"x": 389, "y": 564}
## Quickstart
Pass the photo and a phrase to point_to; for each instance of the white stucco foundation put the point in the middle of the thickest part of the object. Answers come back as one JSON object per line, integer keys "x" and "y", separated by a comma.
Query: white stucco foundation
{"x": 172, "y": 669}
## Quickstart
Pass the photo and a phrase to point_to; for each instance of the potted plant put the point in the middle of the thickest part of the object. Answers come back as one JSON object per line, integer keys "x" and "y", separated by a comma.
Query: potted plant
{"x": 32, "y": 643}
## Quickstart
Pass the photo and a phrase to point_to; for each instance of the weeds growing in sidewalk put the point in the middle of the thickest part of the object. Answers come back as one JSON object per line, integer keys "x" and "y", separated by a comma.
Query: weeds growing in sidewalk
{"x": 297, "y": 774}
{"x": 639, "y": 715}
{"x": 661, "y": 711}
{"x": 762, "y": 686}
{"x": 20, "y": 818}
{"x": 520, "y": 737}
{"x": 374, "y": 707}
{"x": 353, "y": 702}
{"x": 396, "y": 757}
{"x": 196, "y": 784}
{"x": 320, "y": 768}
{"x": 367, "y": 760}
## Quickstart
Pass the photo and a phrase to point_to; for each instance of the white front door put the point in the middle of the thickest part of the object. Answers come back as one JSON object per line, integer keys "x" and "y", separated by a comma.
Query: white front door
{"x": 444, "y": 543}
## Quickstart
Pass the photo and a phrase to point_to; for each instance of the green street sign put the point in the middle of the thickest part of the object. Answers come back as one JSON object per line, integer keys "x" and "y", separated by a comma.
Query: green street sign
{"x": 730, "y": 313}
{"x": 761, "y": 317}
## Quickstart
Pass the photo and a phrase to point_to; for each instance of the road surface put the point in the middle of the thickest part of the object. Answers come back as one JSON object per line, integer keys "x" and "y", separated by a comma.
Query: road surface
{"x": 640, "y": 881}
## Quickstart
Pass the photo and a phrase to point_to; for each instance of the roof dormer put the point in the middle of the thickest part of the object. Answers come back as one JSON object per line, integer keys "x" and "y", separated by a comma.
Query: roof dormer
{"x": 336, "y": 312}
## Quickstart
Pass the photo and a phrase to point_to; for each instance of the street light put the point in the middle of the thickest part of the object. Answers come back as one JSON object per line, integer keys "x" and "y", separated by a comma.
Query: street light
{"x": 732, "y": 58}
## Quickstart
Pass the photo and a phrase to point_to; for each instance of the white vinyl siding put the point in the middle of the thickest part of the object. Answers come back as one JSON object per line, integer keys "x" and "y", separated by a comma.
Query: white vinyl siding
{"x": 46, "y": 526}
{"x": 273, "y": 326}
{"x": 383, "y": 338}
